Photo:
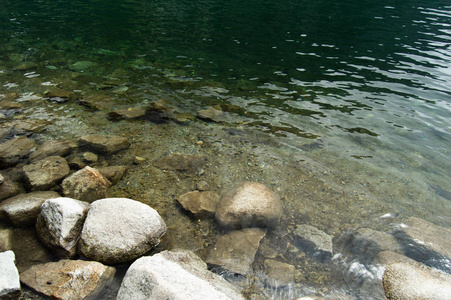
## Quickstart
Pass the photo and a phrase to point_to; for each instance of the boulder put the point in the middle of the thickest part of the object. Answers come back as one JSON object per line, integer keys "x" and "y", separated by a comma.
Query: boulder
{"x": 86, "y": 184}
{"x": 182, "y": 162}
{"x": 59, "y": 224}
{"x": 23, "y": 209}
{"x": 236, "y": 250}
{"x": 68, "y": 279}
{"x": 313, "y": 241}
{"x": 46, "y": 173}
{"x": 13, "y": 150}
{"x": 113, "y": 173}
{"x": 6, "y": 240}
{"x": 176, "y": 275}
{"x": 9, "y": 276}
{"x": 201, "y": 204}
{"x": 403, "y": 280}
{"x": 119, "y": 229}
{"x": 279, "y": 273}
{"x": 103, "y": 144}
{"x": 53, "y": 148}
{"x": 8, "y": 188}
{"x": 367, "y": 243}
{"x": 249, "y": 204}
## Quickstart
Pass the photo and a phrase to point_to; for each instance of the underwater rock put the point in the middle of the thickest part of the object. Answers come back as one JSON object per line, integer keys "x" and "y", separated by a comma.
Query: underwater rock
{"x": 87, "y": 184}
{"x": 98, "y": 101}
{"x": 59, "y": 224}
{"x": 9, "y": 104}
{"x": 183, "y": 118}
{"x": 27, "y": 126}
{"x": 279, "y": 273}
{"x": 368, "y": 243}
{"x": 82, "y": 66}
{"x": 13, "y": 150}
{"x": 314, "y": 242}
{"x": 201, "y": 204}
{"x": 6, "y": 240}
{"x": 9, "y": 276}
{"x": 68, "y": 279}
{"x": 182, "y": 162}
{"x": 386, "y": 258}
{"x": 403, "y": 280}
{"x": 90, "y": 157}
{"x": 46, "y": 173}
{"x": 249, "y": 204}
{"x": 157, "y": 111}
{"x": 177, "y": 275}
{"x": 113, "y": 173}
{"x": 119, "y": 229}
{"x": 25, "y": 66}
{"x": 59, "y": 95}
{"x": 125, "y": 114}
{"x": 23, "y": 209}
{"x": 103, "y": 144}
{"x": 53, "y": 148}
{"x": 211, "y": 114}
{"x": 8, "y": 189}
{"x": 235, "y": 251}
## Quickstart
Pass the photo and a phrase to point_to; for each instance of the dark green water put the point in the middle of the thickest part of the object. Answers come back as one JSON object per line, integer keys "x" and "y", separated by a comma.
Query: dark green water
{"x": 370, "y": 79}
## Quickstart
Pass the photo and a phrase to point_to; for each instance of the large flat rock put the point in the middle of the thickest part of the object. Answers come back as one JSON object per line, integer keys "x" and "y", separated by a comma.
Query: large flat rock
{"x": 13, "y": 150}
{"x": 103, "y": 144}
{"x": 46, "y": 173}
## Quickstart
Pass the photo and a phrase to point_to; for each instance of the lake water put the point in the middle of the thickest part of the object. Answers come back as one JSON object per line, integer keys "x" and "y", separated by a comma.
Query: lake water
{"x": 342, "y": 107}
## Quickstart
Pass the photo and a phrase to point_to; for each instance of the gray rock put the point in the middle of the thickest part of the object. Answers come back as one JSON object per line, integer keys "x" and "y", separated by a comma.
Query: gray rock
{"x": 249, "y": 204}
{"x": 130, "y": 113}
{"x": 176, "y": 275}
{"x": 182, "y": 162}
{"x": 279, "y": 274}
{"x": 86, "y": 184}
{"x": 119, "y": 229}
{"x": 6, "y": 240}
{"x": 59, "y": 224}
{"x": 23, "y": 209}
{"x": 201, "y": 204}
{"x": 403, "y": 280}
{"x": 9, "y": 276}
{"x": 13, "y": 150}
{"x": 46, "y": 173}
{"x": 236, "y": 250}
{"x": 8, "y": 188}
{"x": 113, "y": 173}
{"x": 368, "y": 243}
{"x": 53, "y": 148}
{"x": 103, "y": 144}
{"x": 314, "y": 242}
{"x": 68, "y": 279}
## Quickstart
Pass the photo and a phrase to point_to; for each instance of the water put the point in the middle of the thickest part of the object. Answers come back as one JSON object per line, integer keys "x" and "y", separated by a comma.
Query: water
{"x": 356, "y": 92}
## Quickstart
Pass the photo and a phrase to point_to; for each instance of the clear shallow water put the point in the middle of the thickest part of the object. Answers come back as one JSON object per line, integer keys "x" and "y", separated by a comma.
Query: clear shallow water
{"x": 367, "y": 85}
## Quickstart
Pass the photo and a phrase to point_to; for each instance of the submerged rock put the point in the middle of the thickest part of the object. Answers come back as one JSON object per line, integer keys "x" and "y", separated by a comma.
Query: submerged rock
{"x": 125, "y": 114}
{"x": 368, "y": 243}
{"x": 236, "y": 250}
{"x": 313, "y": 241}
{"x": 279, "y": 273}
{"x": 13, "y": 150}
{"x": 176, "y": 275}
{"x": 58, "y": 95}
{"x": 113, "y": 173}
{"x": 403, "y": 280}
{"x": 27, "y": 126}
{"x": 87, "y": 184}
{"x": 68, "y": 279}
{"x": 46, "y": 173}
{"x": 9, "y": 276}
{"x": 23, "y": 209}
{"x": 53, "y": 148}
{"x": 201, "y": 204}
{"x": 119, "y": 229}
{"x": 249, "y": 204}
{"x": 59, "y": 224}
{"x": 211, "y": 114}
{"x": 98, "y": 101}
{"x": 82, "y": 66}
{"x": 182, "y": 162}
{"x": 103, "y": 144}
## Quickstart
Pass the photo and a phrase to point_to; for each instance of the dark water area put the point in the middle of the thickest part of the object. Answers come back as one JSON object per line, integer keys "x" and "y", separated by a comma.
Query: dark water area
{"x": 362, "y": 88}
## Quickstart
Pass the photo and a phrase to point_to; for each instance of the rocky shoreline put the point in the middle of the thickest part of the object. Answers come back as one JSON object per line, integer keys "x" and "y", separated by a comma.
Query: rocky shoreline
{"x": 62, "y": 189}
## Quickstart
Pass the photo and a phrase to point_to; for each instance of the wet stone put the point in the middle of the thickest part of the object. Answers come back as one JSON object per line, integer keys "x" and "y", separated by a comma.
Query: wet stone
{"x": 249, "y": 204}
{"x": 25, "y": 66}
{"x": 113, "y": 173}
{"x": 119, "y": 229}
{"x": 177, "y": 275}
{"x": 90, "y": 157}
{"x": 201, "y": 204}
{"x": 87, "y": 184}
{"x": 6, "y": 240}
{"x": 211, "y": 114}
{"x": 59, "y": 224}
{"x": 386, "y": 258}
{"x": 68, "y": 279}
{"x": 124, "y": 114}
{"x": 182, "y": 162}
{"x": 8, "y": 188}
{"x": 9, "y": 275}
{"x": 279, "y": 273}
{"x": 28, "y": 126}
{"x": 403, "y": 280}
{"x": 58, "y": 95}
{"x": 103, "y": 144}
{"x": 46, "y": 173}
{"x": 236, "y": 250}
{"x": 53, "y": 148}
{"x": 82, "y": 66}
{"x": 8, "y": 104}
{"x": 313, "y": 241}
{"x": 23, "y": 209}
{"x": 13, "y": 150}
{"x": 368, "y": 243}
{"x": 98, "y": 101}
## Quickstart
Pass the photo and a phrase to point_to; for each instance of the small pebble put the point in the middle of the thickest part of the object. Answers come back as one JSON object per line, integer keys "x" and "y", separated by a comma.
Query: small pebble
{"x": 139, "y": 160}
